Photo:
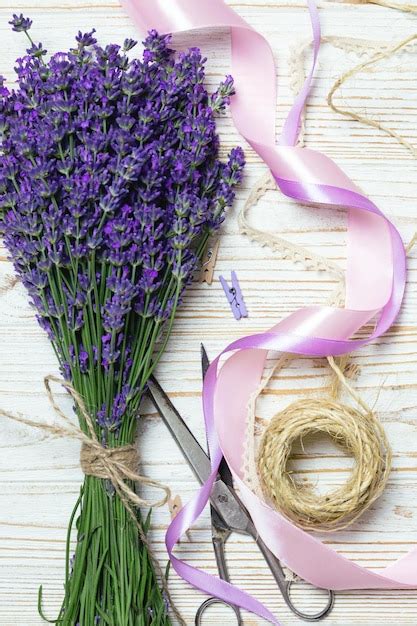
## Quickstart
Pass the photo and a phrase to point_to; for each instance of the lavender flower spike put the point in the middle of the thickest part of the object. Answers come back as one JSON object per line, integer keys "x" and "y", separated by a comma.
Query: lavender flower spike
{"x": 20, "y": 23}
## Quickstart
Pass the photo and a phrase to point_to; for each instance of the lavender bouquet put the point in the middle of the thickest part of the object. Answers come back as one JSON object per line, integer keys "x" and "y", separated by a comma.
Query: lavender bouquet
{"x": 110, "y": 186}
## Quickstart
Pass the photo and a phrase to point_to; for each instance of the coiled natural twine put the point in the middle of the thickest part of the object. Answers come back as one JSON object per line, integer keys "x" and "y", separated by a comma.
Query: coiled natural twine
{"x": 357, "y": 431}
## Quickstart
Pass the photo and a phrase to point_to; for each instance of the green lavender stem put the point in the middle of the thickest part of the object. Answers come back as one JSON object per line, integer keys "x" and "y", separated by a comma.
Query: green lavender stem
{"x": 112, "y": 580}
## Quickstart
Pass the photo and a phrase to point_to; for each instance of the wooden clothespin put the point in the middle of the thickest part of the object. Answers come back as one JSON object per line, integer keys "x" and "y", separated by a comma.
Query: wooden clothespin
{"x": 209, "y": 262}
{"x": 175, "y": 505}
{"x": 234, "y": 296}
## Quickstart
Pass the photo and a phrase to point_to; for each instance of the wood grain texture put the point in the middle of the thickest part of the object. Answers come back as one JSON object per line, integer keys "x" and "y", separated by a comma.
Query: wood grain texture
{"x": 40, "y": 475}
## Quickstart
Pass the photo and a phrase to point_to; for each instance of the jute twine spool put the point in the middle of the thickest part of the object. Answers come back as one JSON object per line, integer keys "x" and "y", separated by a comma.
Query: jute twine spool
{"x": 358, "y": 432}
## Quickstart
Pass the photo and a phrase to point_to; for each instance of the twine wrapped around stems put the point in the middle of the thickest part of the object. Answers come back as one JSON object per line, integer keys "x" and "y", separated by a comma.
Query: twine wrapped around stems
{"x": 114, "y": 464}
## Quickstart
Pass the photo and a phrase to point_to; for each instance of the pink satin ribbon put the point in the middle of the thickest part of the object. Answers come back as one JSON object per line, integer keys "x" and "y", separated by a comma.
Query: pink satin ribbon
{"x": 376, "y": 274}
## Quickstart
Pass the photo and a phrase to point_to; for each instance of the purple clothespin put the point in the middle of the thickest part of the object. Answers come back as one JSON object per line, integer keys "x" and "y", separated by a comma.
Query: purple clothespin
{"x": 234, "y": 296}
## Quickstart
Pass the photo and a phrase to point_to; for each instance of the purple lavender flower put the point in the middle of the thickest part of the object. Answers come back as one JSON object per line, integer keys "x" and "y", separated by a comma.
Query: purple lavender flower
{"x": 86, "y": 39}
{"x": 20, "y": 23}
{"x": 83, "y": 360}
{"x": 128, "y": 44}
{"x": 4, "y": 92}
{"x": 220, "y": 99}
{"x": 36, "y": 50}
{"x": 110, "y": 185}
{"x": 111, "y": 418}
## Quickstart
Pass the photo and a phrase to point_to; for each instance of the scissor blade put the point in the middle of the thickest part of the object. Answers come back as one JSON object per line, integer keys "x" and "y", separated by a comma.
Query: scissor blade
{"x": 188, "y": 444}
{"x": 224, "y": 471}
{"x": 205, "y": 363}
{"x": 223, "y": 498}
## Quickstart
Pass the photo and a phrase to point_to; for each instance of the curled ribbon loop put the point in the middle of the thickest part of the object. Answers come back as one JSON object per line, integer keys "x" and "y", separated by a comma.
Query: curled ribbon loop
{"x": 375, "y": 283}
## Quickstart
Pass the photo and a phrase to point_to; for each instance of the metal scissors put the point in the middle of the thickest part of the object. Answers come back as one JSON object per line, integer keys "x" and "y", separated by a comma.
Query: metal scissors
{"x": 228, "y": 514}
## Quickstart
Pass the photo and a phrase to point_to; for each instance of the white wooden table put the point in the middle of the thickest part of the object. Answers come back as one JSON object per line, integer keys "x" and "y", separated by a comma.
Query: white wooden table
{"x": 40, "y": 475}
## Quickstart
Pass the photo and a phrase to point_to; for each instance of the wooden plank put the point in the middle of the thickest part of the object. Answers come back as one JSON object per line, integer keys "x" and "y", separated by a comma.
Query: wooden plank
{"x": 40, "y": 476}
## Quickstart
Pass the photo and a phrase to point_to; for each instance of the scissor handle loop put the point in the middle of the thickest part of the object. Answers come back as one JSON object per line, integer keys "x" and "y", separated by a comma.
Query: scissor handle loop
{"x": 308, "y": 617}
{"x": 207, "y": 603}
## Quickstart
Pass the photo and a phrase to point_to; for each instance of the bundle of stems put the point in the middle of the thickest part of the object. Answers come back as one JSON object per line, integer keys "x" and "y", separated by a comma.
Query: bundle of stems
{"x": 110, "y": 186}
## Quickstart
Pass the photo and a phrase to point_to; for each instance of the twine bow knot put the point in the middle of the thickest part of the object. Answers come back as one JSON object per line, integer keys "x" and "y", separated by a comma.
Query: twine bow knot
{"x": 114, "y": 464}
